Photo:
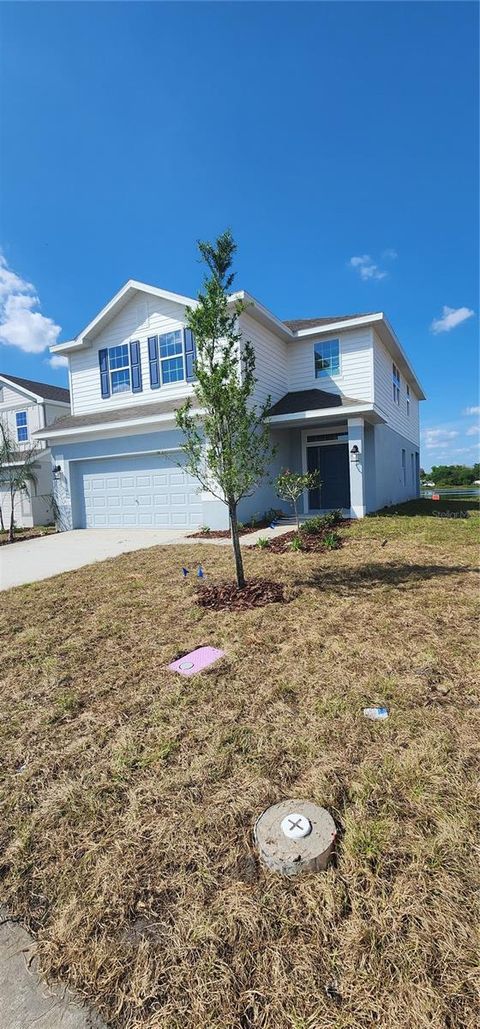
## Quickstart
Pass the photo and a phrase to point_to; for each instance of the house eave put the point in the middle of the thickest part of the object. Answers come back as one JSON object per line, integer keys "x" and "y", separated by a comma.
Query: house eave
{"x": 21, "y": 389}
{"x": 299, "y": 418}
{"x": 98, "y": 428}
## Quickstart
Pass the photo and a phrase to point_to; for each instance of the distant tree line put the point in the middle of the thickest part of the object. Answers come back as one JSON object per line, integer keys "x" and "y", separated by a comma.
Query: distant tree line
{"x": 452, "y": 474}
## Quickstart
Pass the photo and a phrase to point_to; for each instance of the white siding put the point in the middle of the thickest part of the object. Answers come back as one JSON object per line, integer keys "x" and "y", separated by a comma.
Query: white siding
{"x": 396, "y": 415}
{"x": 271, "y": 360}
{"x": 356, "y": 360}
{"x": 13, "y": 402}
{"x": 54, "y": 411}
{"x": 142, "y": 316}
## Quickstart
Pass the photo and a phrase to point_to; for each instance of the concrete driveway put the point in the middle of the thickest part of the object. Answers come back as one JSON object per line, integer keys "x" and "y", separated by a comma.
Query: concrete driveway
{"x": 41, "y": 558}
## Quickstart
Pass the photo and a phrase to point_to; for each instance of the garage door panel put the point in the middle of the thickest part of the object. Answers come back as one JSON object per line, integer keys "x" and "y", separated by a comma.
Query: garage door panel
{"x": 143, "y": 491}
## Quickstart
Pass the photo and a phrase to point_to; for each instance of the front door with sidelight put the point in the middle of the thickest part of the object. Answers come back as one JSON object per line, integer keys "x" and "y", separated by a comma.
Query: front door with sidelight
{"x": 331, "y": 460}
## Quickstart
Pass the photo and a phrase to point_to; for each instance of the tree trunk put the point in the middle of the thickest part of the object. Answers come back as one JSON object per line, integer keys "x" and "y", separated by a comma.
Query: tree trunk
{"x": 2, "y": 523}
{"x": 237, "y": 553}
{"x": 11, "y": 531}
{"x": 295, "y": 508}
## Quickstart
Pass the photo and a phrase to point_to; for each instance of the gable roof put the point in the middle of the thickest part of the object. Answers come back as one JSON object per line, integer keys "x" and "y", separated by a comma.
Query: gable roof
{"x": 310, "y": 400}
{"x": 289, "y": 330}
{"x": 297, "y": 324}
{"x": 115, "y": 304}
{"x": 41, "y": 390}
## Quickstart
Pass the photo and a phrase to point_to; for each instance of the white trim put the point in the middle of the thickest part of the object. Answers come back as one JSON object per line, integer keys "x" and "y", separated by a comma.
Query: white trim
{"x": 320, "y": 443}
{"x": 127, "y": 453}
{"x": 327, "y": 412}
{"x": 21, "y": 389}
{"x": 329, "y": 327}
{"x": 257, "y": 310}
{"x": 339, "y": 375}
{"x": 80, "y": 430}
{"x": 130, "y": 287}
{"x": 29, "y": 393}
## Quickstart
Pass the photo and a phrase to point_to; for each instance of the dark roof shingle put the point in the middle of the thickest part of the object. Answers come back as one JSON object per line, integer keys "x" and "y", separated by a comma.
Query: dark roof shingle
{"x": 297, "y": 324}
{"x": 121, "y": 415}
{"x": 310, "y": 400}
{"x": 42, "y": 389}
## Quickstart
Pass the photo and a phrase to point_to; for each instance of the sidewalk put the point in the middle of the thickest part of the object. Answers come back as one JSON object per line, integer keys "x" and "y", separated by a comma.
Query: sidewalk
{"x": 25, "y": 1000}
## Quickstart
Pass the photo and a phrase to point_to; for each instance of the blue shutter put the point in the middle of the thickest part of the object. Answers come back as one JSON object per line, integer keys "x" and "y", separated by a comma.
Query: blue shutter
{"x": 136, "y": 367}
{"x": 153, "y": 362}
{"x": 104, "y": 376}
{"x": 190, "y": 354}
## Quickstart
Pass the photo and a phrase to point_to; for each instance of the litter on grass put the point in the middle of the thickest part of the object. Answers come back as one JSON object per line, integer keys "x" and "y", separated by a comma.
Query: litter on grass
{"x": 375, "y": 714}
{"x": 196, "y": 661}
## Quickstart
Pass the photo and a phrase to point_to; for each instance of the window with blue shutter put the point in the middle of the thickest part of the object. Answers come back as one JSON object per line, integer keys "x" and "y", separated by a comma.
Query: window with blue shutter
{"x": 104, "y": 373}
{"x": 153, "y": 362}
{"x": 136, "y": 366}
{"x": 190, "y": 354}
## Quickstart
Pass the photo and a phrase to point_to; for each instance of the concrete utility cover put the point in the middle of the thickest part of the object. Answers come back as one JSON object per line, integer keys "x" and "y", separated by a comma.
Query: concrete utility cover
{"x": 295, "y": 836}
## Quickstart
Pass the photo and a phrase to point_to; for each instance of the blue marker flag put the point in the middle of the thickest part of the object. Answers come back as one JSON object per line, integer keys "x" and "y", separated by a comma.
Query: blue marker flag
{"x": 200, "y": 573}
{"x": 185, "y": 572}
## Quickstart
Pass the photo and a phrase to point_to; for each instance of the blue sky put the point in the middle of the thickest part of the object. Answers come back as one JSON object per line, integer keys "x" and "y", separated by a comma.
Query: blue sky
{"x": 318, "y": 132}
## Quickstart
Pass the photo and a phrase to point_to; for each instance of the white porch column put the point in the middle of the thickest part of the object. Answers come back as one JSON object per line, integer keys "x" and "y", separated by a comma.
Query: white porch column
{"x": 357, "y": 467}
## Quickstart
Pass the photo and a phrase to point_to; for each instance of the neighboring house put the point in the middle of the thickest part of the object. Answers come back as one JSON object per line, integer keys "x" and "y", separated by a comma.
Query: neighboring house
{"x": 344, "y": 397}
{"x": 26, "y": 407}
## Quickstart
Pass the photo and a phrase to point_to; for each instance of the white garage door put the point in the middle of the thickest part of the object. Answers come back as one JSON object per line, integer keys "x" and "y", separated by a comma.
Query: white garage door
{"x": 145, "y": 492}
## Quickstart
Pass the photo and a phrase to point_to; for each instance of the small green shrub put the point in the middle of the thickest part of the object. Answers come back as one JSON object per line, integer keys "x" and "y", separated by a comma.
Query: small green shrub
{"x": 320, "y": 523}
{"x": 262, "y": 543}
{"x": 296, "y": 543}
{"x": 331, "y": 541}
{"x": 205, "y": 529}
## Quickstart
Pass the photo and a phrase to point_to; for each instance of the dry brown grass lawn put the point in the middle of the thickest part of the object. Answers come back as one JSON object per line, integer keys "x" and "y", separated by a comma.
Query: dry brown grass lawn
{"x": 128, "y": 794}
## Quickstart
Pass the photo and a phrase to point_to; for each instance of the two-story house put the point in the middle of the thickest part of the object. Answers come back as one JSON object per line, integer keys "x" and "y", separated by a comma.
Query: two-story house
{"x": 26, "y": 407}
{"x": 344, "y": 399}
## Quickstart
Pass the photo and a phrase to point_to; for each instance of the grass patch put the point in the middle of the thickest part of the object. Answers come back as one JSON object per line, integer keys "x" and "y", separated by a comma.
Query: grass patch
{"x": 128, "y": 794}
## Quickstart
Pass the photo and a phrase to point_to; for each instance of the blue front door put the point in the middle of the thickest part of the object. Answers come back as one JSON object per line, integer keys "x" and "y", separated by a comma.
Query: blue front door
{"x": 333, "y": 465}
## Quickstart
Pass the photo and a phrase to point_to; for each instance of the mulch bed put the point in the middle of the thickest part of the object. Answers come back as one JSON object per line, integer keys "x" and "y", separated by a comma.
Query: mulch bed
{"x": 310, "y": 544}
{"x": 226, "y": 596}
{"x": 221, "y": 534}
{"x": 21, "y": 539}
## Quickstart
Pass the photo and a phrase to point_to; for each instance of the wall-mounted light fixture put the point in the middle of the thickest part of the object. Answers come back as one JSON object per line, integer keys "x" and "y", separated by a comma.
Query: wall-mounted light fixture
{"x": 56, "y": 469}
{"x": 355, "y": 454}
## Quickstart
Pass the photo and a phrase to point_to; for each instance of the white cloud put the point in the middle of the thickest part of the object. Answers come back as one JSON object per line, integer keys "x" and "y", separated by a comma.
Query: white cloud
{"x": 58, "y": 361}
{"x": 471, "y": 410}
{"x": 474, "y": 430}
{"x": 436, "y": 439}
{"x": 390, "y": 254}
{"x": 21, "y": 325}
{"x": 366, "y": 268}
{"x": 451, "y": 317}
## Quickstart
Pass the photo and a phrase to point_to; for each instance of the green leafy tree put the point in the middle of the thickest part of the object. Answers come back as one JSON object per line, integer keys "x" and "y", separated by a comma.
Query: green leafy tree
{"x": 453, "y": 475}
{"x": 227, "y": 446}
{"x": 291, "y": 485}
{"x": 17, "y": 471}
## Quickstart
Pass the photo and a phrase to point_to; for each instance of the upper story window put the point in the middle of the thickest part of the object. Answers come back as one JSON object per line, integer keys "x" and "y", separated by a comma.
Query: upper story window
{"x": 119, "y": 362}
{"x": 22, "y": 428}
{"x": 327, "y": 358}
{"x": 396, "y": 384}
{"x": 171, "y": 357}
{"x": 408, "y": 399}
